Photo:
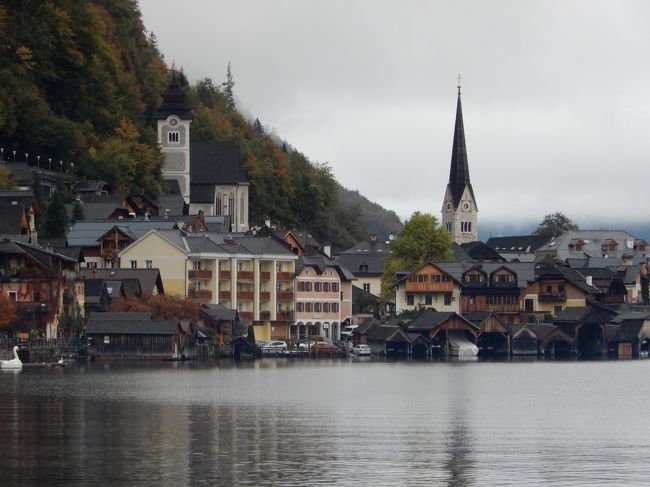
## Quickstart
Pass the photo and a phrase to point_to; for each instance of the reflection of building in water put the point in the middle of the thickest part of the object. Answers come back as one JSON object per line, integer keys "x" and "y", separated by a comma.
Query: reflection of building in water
{"x": 459, "y": 462}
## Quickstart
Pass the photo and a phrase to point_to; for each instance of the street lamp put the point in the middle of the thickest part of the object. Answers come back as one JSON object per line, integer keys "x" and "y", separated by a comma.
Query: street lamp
{"x": 14, "y": 156}
{"x": 26, "y": 158}
{"x": 38, "y": 161}
{"x": 49, "y": 163}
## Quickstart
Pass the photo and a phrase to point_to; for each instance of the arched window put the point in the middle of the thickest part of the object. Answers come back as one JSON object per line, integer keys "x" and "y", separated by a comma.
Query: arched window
{"x": 242, "y": 205}
{"x": 231, "y": 204}
{"x": 218, "y": 208}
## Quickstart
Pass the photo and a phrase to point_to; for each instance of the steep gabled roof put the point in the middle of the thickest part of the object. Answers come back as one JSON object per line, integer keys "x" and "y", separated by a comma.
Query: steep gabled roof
{"x": 216, "y": 163}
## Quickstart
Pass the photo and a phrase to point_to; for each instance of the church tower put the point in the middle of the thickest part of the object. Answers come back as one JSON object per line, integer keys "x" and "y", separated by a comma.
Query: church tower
{"x": 174, "y": 120}
{"x": 459, "y": 209}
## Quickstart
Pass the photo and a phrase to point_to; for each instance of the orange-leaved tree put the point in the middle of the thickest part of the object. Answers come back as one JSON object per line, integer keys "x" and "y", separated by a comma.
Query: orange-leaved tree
{"x": 161, "y": 307}
{"x": 7, "y": 312}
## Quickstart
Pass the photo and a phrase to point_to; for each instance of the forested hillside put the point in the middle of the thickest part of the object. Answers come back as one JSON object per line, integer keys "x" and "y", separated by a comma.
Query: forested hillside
{"x": 79, "y": 80}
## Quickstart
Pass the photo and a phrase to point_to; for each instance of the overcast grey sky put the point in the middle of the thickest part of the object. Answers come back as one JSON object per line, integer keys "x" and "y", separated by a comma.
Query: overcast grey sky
{"x": 556, "y": 94}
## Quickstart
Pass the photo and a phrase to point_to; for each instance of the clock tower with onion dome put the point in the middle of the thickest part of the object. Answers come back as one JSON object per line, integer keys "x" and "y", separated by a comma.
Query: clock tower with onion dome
{"x": 459, "y": 208}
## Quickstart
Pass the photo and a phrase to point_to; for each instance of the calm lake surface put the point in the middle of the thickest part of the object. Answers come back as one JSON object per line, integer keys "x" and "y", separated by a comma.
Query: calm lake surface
{"x": 327, "y": 422}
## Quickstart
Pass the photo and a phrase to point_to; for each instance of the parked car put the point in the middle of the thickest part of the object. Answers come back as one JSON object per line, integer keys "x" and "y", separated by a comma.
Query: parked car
{"x": 361, "y": 349}
{"x": 324, "y": 347}
{"x": 274, "y": 347}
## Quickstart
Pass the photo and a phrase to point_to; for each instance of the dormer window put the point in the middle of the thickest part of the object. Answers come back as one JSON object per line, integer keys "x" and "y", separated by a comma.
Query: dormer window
{"x": 363, "y": 268}
{"x": 173, "y": 137}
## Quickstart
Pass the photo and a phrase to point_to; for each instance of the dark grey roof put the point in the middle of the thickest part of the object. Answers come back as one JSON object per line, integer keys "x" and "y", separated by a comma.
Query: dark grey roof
{"x": 100, "y": 316}
{"x": 133, "y": 327}
{"x": 94, "y": 288}
{"x": 370, "y": 246}
{"x": 525, "y": 270}
{"x": 479, "y": 251}
{"x": 198, "y": 243}
{"x": 22, "y": 196}
{"x": 384, "y": 332}
{"x": 90, "y": 186}
{"x": 216, "y": 163}
{"x": 114, "y": 288}
{"x": 430, "y": 319}
{"x": 173, "y": 186}
{"x": 363, "y": 264}
{"x": 571, "y": 275}
{"x": 149, "y": 279}
{"x": 320, "y": 262}
{"x": 87, "y": 233}
{"x": 45, "y": 257}
{"x": 21, "y": 173}
{"x": 202, "y": 193}
{"x": 218, "y": 312}
{"x": 11, "y": 217}
{"x": 263, "y": 245}
{"x": 172, "y": 202}
{"x": 517, "y": 244}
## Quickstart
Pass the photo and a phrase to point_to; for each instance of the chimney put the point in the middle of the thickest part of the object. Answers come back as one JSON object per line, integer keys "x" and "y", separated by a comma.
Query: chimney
{"x": 589, "y": 280}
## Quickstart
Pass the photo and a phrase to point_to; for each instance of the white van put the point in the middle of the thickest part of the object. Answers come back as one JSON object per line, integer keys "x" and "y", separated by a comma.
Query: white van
{"x": 346, "y": 333}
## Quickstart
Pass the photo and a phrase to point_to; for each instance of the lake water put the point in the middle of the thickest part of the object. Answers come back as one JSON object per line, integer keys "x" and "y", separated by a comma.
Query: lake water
{"x": 327, "y": 422}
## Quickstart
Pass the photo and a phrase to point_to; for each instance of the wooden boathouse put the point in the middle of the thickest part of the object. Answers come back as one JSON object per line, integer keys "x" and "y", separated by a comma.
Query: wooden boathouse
{"x": 136, "y": 335}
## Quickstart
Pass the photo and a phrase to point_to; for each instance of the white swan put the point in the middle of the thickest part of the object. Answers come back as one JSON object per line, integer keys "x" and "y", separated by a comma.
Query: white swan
{"x": 14, "y": 363}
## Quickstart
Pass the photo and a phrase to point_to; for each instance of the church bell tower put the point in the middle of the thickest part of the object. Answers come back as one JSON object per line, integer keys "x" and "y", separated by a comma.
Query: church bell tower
{"x": 459, "y": 208}
{"x": 174, "y": 120}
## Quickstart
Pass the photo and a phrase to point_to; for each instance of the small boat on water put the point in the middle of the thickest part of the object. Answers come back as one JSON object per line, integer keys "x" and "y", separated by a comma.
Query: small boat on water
{"x": 14, "y": 363}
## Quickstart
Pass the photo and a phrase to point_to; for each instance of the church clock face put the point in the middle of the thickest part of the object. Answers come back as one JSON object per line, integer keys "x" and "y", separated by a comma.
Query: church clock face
{"x": 466, "y": 206}
{"x": 448, "y": 206}
{"x": 173, "y": 122}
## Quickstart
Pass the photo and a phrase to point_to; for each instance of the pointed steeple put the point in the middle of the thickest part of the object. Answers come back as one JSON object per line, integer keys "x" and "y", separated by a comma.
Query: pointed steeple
{"x": 459, "y": 171}
{"x": 173, "y": 100}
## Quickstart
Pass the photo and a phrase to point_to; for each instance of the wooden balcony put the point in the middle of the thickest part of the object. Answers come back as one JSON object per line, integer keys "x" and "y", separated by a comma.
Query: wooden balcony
{"x": 224, "y": 295}
{"x": 495, "y": 308}
{"x": 429, "y": 287}
{"x": 245, "y": 315}
{"x": 245, "y": 275}
{"x": 265, "y": 296}
{"x": 200, "y": 274}
{"x": 245, "y": 295}
{"x": 224, "y": 275}
{"x": 284, "y": 276}
{"x": 202, "y": 294}
{"x": 561, "y": 297}
{"x": 265, "y": 276}
{"x": 284, "y": 296}
{"x": 285, "y": 316}
{"x": 265, "y": 315}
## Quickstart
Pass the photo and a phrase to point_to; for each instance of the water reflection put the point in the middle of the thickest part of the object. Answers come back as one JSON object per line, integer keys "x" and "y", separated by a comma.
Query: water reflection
{"x": 326, "y": 423}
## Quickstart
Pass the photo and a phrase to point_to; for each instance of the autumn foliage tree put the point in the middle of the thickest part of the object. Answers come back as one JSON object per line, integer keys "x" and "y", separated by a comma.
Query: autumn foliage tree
{"x": 161, "y": 307}
{"x": 7, "y": 312}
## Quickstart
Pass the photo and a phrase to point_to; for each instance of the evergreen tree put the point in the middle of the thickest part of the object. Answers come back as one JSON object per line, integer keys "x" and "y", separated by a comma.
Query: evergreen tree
{"x": 77, "y": 212}
{"x": 40, "y": 217}
{"x": 57, "y": 217}
{"x": 228, "y": 92}
{"x": 258, "y": 129}
{"x": 250, "y": 336}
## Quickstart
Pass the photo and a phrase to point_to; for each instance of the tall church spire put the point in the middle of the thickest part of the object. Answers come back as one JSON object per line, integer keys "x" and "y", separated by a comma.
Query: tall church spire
{"x": 459, "y": 170}
{"x": 459, "y": 209}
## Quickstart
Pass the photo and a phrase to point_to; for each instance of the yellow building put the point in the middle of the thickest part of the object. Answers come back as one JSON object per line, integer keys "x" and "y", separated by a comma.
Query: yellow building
{"x": 253, "y": 275}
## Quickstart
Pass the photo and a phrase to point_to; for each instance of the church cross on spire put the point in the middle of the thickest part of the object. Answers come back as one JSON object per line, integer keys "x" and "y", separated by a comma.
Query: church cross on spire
{"x": 459, "y": 85}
